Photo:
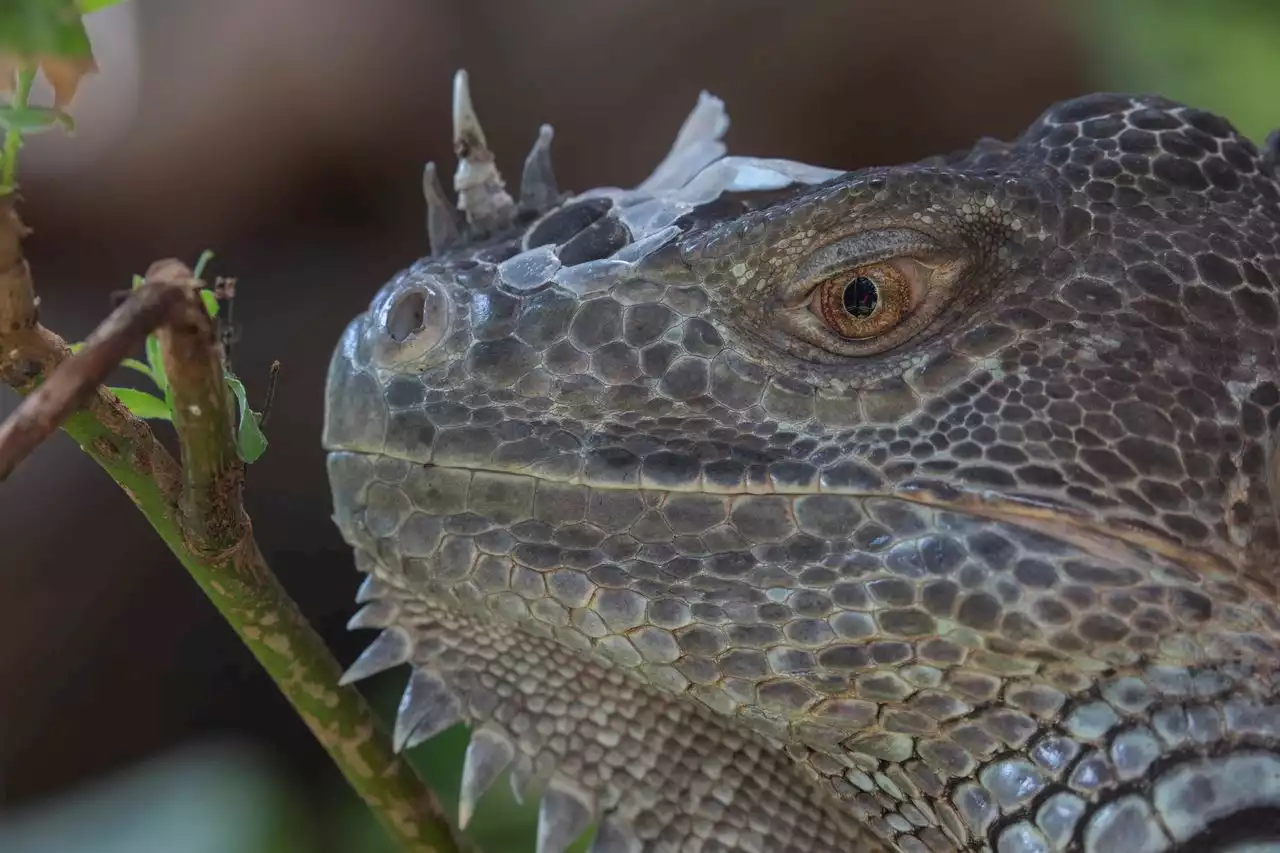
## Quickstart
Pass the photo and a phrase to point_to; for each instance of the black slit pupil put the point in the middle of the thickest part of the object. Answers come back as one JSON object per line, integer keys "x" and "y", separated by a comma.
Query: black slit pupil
{"x": 860, "y": 297}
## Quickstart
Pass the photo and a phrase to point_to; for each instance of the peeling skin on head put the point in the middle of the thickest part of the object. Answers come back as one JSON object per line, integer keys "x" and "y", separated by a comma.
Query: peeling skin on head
{"x": 707, "y": 574}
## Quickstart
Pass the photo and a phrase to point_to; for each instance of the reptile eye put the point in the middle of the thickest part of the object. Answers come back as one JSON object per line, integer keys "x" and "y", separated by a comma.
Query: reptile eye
{"x": 865, "y": 303}
{"x": 865, "y": 294}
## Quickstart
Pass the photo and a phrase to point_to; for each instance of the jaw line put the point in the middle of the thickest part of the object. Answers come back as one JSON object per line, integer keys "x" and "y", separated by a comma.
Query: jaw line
{"x": 1100, "y": 538}
{"x": 1116, "y": 541}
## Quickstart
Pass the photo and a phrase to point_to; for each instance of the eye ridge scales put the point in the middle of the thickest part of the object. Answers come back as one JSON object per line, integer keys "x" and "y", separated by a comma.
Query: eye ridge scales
{"x": 706, "y": 574}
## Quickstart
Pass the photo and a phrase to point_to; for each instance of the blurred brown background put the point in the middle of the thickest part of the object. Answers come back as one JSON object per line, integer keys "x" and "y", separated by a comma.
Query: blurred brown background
{"x": 289, "y": 137}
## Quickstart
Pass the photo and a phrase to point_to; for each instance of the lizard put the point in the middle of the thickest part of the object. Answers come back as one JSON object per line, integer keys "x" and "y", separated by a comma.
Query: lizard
{"x": 770, "y": 507}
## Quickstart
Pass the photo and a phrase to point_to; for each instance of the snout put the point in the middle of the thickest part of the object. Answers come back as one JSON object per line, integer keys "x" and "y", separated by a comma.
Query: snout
{"x": 355, "y": 408}
{"x": 381, "y": 356}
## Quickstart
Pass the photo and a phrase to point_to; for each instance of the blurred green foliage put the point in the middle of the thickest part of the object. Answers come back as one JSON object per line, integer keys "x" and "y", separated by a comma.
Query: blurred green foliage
{"x": 44, "y": 27}
{"x": 1219, "y": 55}
{"x": 229, "y": 797}
{"x": 215, "y": 797}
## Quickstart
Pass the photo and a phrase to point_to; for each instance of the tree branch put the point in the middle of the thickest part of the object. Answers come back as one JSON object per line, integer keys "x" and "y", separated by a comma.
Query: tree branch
{"x": 197, "y": 509}
{"x": 203, "y": 415}
{"x": 77, "y": 378}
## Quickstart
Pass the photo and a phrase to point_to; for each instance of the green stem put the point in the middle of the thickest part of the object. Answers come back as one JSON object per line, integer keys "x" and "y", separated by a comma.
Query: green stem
{"x": 13, "y": 135}
{"x": 241, "y": 586}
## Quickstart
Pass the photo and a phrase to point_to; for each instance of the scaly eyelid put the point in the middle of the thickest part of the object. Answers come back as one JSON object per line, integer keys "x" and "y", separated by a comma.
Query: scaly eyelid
{"x": 854, "y": 251}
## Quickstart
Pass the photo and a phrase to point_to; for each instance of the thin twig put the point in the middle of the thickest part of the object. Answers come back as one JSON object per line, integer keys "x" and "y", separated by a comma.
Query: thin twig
{"x": 198, "y": 510}
{"x": 77, "y": 379}
{"x": 269, "y": 401}
{"x": 122, "y": 444}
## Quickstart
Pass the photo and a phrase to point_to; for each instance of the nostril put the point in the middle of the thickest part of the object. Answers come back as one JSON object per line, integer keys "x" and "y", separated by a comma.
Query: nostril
{"x": 410, "y": 322}
{"x": 407, "y": 316}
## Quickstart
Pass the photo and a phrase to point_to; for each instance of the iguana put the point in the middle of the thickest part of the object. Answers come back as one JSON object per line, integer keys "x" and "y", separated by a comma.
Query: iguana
{"x": 767, "y": 507}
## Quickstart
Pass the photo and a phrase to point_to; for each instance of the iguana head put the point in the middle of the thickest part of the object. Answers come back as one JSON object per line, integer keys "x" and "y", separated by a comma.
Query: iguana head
{"x": 906, "y": 481}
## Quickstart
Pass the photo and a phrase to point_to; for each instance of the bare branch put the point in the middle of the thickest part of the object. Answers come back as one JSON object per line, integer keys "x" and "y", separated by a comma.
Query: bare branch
{"x": 17, "y": 296}
{"x": 78, "y": 377}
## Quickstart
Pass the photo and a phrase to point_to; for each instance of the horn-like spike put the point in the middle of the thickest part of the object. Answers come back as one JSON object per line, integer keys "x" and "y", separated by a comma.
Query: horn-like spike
{"x": 488, "y": 754}
{"x": 565, "y": 813}
{"x": 377, "y": 614}
{"x": 521, "y": 777}
{"x": 480, "y": 188}
{"x": 612, "y": 836}
{"x": 427, "y": 708}
{"x": 466, "y": 125}
{"x": 697, "y": 145}
{"x": 391, "y": 648}
{"x": 442, "y": 219}
{"x": 538, "y": 189}
{"x": 370, "y": 588}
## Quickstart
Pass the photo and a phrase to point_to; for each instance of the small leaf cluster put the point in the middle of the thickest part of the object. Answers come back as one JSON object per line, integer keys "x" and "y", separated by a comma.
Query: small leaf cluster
{"x": 251, "y": 443}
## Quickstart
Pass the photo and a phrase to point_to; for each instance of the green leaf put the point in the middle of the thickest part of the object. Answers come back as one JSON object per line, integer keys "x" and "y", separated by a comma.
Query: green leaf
{"x": 210, "y": 302}
{"x": 44, "y": 28}
{"x": 131, "y": 363}
{"x": 249, "y": 438}
{"x": 87, "y": 6}
{"x": 143, "y": 404}
{"x": 201, "y": 263}
{"x": 32, "y": 120}
{"x": 155, "y": 359}
{"x": 134, "y": 364}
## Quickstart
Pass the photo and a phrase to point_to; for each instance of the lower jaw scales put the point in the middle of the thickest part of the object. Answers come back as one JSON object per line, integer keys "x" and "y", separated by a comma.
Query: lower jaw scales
{"x": 595, "y": 745}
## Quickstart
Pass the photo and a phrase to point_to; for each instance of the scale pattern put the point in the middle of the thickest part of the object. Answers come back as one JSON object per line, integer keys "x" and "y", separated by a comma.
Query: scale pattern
{"x": 714, "y": 580}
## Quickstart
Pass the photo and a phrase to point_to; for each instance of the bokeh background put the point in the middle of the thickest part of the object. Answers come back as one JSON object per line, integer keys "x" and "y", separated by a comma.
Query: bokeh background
{"x": 288, "y": 136}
